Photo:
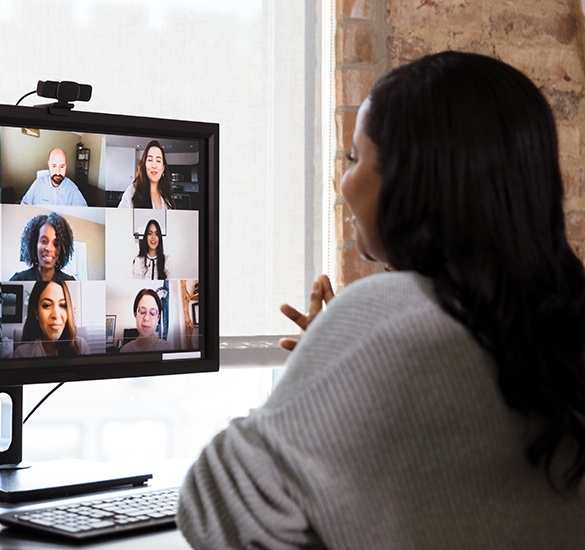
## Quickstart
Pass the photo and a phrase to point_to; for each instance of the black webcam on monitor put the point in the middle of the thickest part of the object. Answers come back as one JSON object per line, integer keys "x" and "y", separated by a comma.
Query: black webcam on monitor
{"x": 64, "y": 92}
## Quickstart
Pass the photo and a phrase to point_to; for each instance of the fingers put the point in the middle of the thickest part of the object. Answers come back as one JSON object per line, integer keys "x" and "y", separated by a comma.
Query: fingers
{"x": 326, "y": 287}
{"x": 315, "y": 301}
{"x": 295, "y": 316}
{"x": 287, "y": 343}
{"x": 321, "y": 293}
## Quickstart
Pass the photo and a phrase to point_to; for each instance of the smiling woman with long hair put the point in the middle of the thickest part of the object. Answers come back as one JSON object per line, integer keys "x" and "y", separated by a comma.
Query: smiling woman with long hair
{"x": 151, "y": 262}
{"x": 151, "y": 187}
{"x": 50, "y": 327}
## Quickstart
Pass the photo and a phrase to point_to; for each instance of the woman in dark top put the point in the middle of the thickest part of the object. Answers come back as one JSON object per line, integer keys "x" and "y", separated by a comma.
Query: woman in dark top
{"x": 47, "y": 246}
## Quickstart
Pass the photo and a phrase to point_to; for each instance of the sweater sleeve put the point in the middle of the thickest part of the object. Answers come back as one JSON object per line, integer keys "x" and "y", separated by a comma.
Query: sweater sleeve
{"x": 235, "y": 497}
{"x": 252, "y": 485}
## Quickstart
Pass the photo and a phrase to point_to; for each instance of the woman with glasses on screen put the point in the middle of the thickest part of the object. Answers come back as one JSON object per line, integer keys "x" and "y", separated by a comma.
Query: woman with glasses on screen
{"x": 151, "y": 262}
{"x": 50, "y": 328}
{"x": 147, "y": 308}
{"x": 151, "y": 187}
{"x": 46, "y": 245}
{"x": 440, "y": 406}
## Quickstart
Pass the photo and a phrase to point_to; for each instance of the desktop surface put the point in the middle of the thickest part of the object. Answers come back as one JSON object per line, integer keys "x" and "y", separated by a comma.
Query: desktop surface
{"x": 170, "y": 539}
{"x": 165, "y": 474}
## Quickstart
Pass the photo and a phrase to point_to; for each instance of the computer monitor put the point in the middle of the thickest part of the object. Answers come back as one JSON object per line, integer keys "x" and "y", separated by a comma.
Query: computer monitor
{"x": 109, "y": 259}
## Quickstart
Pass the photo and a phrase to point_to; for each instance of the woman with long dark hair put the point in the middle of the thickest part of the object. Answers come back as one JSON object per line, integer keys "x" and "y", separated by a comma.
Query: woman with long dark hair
{"x": 442, "y": 405}
{"x": 151, "y": 262}
{"x": 151, "y": 187}
{"x": 46, "y": 245}
{"x": 50, "y": 329}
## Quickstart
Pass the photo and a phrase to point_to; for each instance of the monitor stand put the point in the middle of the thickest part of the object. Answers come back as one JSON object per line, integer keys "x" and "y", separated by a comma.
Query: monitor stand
{"x": 22, "y": 482}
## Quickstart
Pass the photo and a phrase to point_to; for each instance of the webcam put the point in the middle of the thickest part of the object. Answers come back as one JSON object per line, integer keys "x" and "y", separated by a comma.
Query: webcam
{"x": 64, "y": 91}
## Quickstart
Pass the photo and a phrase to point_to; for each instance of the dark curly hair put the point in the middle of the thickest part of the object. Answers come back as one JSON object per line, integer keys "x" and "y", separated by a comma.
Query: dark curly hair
{"x": 472, "y": 197}
{"x": 30, "y": 238}
{"x": 141, "y": 198}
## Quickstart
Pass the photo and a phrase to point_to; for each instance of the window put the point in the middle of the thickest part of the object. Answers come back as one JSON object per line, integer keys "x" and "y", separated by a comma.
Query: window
{"x": 252, "y": 66}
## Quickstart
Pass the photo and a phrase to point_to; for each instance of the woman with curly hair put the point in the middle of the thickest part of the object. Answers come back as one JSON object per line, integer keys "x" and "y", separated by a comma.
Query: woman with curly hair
{"x": 151, "y": 262}
{"x": 151, "y": 187}
{"x": 47, "y": 246}
{"x": 50, "y": 328}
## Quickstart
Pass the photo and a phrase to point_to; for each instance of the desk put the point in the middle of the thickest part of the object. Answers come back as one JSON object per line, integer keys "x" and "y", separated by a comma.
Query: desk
{"x": 165, "y": 474}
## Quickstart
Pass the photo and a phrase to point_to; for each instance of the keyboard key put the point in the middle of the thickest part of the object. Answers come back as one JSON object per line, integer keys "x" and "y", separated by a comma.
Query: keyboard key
{"x": 68, "y": 528}
{"x": 106, "y": 515}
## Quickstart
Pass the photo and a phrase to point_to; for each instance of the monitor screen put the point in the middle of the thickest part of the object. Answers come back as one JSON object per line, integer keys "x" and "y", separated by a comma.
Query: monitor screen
{"x": 109, "y": 246}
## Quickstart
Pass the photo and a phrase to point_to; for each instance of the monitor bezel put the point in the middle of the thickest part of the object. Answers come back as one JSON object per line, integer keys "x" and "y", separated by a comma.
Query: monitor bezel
{"x": 107, "y": 366}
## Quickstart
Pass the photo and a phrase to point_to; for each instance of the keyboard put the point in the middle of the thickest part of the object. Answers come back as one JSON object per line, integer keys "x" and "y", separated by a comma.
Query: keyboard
{"x": 92, "y": 516}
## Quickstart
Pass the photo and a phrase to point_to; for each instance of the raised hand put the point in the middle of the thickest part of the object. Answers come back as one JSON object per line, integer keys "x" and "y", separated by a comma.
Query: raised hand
{"x": 321, "y": 293}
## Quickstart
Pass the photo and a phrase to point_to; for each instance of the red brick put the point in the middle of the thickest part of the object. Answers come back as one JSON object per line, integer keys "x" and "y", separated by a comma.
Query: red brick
{"x": 563, "y": 28}
{"x": 345, "y": 124}
{"x": 354, "y": 44}
{"x": 569, "y": 141}
{"x": 570, "y": 184}
{"x": 351, "y": 267}
{"x": 354, "y": 9}
{"x": 518, "y": 24}
{"x": 452, "y": 15}
{"x": 575, "y": 222}
{"x": 404, "y": 50}
{"x": 353, "y": 86}
{"x": 554, "y": 67}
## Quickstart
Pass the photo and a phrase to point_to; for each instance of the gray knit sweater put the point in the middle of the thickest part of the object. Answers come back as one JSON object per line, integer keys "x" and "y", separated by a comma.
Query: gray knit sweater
{"x": 388, "y": 430}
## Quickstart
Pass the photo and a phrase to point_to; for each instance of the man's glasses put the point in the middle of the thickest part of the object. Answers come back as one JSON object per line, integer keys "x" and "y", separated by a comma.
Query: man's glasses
{"x": 143, "y": 311}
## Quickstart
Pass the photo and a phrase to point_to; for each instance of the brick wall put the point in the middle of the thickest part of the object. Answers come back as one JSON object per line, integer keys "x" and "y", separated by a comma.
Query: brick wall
{"x": 541, "y": 38}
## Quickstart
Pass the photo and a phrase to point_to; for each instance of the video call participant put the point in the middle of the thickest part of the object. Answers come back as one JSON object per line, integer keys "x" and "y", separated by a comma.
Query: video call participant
{"x": 151, "y": 262}
{"x": 47, "y": 246}
{"x": 50, "y": 327}
{"x": 147, "y": 308}
{"x": 55, "y": 188}
{"x": 151, "y": 187}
